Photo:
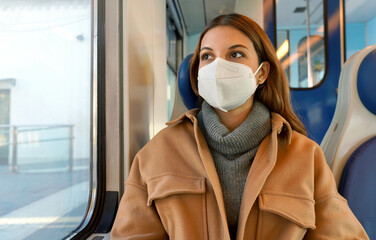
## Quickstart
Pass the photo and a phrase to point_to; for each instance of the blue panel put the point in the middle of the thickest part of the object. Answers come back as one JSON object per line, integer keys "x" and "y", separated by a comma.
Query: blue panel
{"x": 189, "y": 98}
{"x": 316, "y": 106}
{"x": 358, "y": 185}
{"x": 269, "y": 20}
{"x": 367, "y": 83}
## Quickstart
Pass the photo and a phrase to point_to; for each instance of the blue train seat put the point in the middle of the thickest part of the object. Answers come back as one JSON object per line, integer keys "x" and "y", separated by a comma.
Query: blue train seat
{"x": 350, "y": 142}
{"x": 188, "y": 97}
{"x": 357, "y": 185}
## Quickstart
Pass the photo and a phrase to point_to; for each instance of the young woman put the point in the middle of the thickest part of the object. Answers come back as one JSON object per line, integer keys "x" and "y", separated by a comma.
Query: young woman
{"x": 241, "y": 166}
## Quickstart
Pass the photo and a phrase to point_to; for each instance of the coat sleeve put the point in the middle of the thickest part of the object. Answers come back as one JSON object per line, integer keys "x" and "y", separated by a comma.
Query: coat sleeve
{"x": 135, "y": 219}
{"x": 334, "y": 218}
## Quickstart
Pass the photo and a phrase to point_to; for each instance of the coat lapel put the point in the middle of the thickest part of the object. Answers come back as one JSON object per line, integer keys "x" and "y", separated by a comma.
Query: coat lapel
{"x": 262, "y": 166}
{"x": 211, "y": 171}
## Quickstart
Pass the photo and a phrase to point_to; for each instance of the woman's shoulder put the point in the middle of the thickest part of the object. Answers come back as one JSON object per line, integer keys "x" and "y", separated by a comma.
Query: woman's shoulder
{"x": 295, "y": 148}
{"x": 302, "y": 150}
{"x": 300, "y": 139}
{"x": 174, "y": 134}
{"x": 172, "y": 150}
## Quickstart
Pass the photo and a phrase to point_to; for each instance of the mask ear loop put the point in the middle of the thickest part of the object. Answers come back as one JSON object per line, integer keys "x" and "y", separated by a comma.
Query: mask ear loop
{"x": 259, "y": 80}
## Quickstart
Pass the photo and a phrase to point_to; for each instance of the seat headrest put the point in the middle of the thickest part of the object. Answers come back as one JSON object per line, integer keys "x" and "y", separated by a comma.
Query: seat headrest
{"x": 189, "y": 98}
{"x": 354, "y": 119}
{"x": 367, "y": 82}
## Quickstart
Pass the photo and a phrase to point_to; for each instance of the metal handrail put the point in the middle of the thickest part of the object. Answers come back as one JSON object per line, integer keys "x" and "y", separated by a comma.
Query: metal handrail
{"x": 38, "y": 141}
{"x": 15, "y": 131}
{"x": 36, "y": 127}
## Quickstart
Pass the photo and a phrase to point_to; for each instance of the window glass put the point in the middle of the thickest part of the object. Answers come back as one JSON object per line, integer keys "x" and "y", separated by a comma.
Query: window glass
{"x": 171, "y": 84}
{"x": 360, "y": 19}
{"x": 300, "y": 41}
{"x": 45, "y": 117}
{"x": 171, "y": 44}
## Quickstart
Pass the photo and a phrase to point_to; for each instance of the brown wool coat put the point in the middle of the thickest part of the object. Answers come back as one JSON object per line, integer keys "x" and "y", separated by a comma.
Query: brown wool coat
{"x": 173, "y": 191}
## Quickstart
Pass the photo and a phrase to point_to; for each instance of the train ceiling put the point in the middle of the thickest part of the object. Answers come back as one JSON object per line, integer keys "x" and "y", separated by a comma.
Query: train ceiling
{"x": 360, "y": 10}
{"x": 196, "y": 13}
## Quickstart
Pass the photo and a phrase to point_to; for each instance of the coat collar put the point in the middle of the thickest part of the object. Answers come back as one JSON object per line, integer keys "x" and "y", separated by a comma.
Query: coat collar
{"x": 279, "y": 124}
{"x": 189, "y": 115}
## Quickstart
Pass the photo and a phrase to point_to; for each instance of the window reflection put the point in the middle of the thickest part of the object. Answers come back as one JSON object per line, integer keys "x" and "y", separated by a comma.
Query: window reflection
{"x": 317, "y": 63}
{"x": 300, "y": 44}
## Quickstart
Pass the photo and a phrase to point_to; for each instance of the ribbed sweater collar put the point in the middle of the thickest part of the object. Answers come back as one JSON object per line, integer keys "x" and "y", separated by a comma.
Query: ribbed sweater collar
{"x": 242, "y": 139}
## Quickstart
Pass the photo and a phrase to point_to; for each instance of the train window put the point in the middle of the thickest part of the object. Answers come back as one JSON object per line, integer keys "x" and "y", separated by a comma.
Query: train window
{"x": 174, "y": 55}
{"x": 300, "y": 41}
{"x": 45, "y": 117}
{"x": 360, "y": 20}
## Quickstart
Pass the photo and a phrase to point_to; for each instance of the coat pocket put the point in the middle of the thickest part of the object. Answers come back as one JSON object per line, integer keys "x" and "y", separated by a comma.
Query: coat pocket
{"x": 284, "y": 216}
{"x": 171, "y": 184}
{"x": 181, "y": 204}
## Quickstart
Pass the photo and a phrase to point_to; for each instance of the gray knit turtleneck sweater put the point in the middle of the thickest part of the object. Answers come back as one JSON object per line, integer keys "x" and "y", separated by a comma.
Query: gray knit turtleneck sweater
{"x": 233, "y": 152}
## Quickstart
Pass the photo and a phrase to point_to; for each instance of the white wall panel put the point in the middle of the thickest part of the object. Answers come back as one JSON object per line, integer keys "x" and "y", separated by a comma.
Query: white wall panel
{"x": 159, "y": 65}
{"x": 145, "y": 69}
{"x": 113, "y": 111}
{"x": 252, "y": 9}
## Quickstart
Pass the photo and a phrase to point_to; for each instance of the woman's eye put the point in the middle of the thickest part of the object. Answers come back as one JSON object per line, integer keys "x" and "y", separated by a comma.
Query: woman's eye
{"x": 237, "y": 55}
{"x": 205, "y": 56}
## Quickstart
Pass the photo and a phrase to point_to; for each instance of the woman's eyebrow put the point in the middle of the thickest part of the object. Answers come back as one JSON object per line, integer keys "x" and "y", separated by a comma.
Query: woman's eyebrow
{"x": 237, "y": 45}
{"x": 207, "y": 48}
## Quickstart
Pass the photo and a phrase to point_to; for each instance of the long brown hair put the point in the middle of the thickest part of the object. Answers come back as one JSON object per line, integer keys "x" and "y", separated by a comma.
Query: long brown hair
{"x": 274, "y": 93}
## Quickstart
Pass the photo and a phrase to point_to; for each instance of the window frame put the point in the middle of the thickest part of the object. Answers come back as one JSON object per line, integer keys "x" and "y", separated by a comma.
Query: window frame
{"x": 173, "y": 24}
{"x": 343, "y": 30}
{"x": 97, "y": 188}
{"x": 343, "y": 26}
{"x": 179, "y": 39}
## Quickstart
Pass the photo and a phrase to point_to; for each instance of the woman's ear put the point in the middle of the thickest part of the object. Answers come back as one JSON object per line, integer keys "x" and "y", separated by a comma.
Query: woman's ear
{"x": 263, "y": 73}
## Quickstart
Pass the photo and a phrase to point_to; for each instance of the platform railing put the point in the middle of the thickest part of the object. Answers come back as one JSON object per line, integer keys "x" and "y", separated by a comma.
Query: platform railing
{"x": 14, "y": 141}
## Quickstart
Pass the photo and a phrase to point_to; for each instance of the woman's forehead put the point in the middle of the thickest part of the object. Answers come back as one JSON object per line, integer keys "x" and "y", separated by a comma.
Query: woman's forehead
{"x": 222, "y": 36}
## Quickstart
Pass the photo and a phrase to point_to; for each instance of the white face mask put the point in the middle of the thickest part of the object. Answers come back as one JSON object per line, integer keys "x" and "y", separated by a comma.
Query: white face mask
{"x": 226, "y": 85}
